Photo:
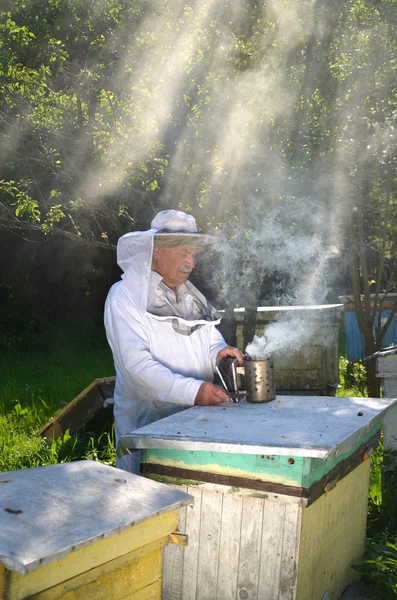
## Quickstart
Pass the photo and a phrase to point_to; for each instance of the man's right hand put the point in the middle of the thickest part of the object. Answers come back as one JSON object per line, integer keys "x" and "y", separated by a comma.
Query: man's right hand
{"x": 210, "y": 394}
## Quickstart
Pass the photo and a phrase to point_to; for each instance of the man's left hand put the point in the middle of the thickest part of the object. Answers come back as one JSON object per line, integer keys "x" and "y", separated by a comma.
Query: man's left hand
{"x": 230, "y": 351}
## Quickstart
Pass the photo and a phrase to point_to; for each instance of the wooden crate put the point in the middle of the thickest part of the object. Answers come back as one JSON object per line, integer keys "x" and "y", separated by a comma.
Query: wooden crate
{"x": 89, "y": 408}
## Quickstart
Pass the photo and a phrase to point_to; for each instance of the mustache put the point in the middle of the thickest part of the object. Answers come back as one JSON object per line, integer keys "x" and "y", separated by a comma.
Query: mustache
{"x": 183, "y": 269}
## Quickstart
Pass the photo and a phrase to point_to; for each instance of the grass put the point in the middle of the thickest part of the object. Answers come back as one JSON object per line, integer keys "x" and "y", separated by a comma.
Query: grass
{"x": 34, "y": 387}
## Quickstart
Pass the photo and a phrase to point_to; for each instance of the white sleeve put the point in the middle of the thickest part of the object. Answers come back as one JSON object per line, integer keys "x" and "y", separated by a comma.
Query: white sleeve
{"x": 129, "y": 342}
{"x": 217, "y": 344}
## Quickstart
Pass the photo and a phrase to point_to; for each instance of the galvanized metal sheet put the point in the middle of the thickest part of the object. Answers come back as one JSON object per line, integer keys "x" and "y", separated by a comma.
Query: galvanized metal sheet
{"x": 284, "y": 309}
{"x": 47, "y": 512}
{"x": 312, "y": 426}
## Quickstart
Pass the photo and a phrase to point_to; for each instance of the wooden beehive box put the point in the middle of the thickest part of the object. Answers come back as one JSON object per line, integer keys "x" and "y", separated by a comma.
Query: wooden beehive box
{"x": 281, "y": 494}
{"x": 312, "y": 369}
{"x": 386, "y": 369}
{"x": 84, "y": 531}
{"x": 90, "y": 408}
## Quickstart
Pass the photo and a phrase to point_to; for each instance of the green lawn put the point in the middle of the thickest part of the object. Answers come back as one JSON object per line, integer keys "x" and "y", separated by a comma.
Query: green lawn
{"x": 33, "y": 387}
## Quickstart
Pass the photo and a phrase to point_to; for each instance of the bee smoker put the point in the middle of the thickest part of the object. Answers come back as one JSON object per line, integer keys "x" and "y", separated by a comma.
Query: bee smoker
{"x": 259, "y": 379}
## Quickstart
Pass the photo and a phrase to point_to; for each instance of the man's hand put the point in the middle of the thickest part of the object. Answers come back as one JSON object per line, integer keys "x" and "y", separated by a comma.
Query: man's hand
{"x": 230, "y": 351}
{"x": 210, "y": 394}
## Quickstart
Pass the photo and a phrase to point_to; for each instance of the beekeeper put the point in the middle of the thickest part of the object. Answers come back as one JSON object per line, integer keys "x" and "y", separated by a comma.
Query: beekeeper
{"x": 161, "y": 329}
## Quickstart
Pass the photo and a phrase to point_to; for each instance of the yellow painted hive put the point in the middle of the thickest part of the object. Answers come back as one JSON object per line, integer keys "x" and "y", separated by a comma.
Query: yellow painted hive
{"x": 84, "y": 530}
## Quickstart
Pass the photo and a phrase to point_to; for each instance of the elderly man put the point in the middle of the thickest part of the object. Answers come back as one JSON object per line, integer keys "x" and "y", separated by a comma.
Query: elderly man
{"x": 161, "y": 329}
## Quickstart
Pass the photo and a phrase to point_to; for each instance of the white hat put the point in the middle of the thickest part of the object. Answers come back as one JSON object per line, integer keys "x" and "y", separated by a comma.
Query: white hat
{"x": 168, "y": 224}
{"x": 174, "y": 222}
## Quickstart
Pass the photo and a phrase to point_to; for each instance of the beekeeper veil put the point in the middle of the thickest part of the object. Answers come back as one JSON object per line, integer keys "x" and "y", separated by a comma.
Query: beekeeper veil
{"x": 169, "y": 229}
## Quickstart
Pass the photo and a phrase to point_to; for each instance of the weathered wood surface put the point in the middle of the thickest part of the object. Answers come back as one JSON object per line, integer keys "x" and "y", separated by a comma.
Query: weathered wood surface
{"x": 313, "y": 426}
{"x": 390, "y": 429}
{"x": 49, "y": 512}
{"x": 333, "y": 537}
{"x": 240, "y": 546}
{"x": 87, "y": 408}
{"x": 386, "y": 369}
{"x": 84, "y": 565}
{"x": 137, "y": 580}
{"x": 297, "y": 476}
{"x": 92, "y": 575}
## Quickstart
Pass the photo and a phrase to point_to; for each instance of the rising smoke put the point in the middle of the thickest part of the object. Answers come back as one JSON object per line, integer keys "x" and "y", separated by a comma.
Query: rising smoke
{"x": 289, "y": 334}
{"x": 256, "y": 126}
{"x": 225, "y": 121}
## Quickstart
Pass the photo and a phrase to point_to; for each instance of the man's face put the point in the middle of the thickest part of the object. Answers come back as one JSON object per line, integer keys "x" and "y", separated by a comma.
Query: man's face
{"x": 174, "y": 264}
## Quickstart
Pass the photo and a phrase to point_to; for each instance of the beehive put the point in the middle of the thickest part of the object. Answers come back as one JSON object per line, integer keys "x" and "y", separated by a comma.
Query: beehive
{"x": 313, "y": 368}
{"x": 281, "y": 495}
{"x": 84, "y": 530}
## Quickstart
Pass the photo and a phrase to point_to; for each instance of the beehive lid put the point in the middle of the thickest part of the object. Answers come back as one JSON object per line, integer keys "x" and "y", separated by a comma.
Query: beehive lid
{"x": 47, "y": 512}
{"x": 312, "y": 426}
{"x": 321, "y": 313}
{"x": 386, "y": 362}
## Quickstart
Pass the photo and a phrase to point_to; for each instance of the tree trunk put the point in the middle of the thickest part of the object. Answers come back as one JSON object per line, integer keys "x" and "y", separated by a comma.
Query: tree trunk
{"x": 373, "y": 382}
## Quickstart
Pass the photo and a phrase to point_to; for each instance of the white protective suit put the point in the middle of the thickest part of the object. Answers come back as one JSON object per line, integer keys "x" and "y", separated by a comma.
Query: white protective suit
{"x": 158, "y": 370}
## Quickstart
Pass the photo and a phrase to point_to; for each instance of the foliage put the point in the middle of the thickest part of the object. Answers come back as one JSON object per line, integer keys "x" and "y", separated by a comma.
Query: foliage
{"x": 379, "y": 565}
{"x": 383, "y": 492}
{"x": 123, "y": 98}
{"x": 352, "y": 378}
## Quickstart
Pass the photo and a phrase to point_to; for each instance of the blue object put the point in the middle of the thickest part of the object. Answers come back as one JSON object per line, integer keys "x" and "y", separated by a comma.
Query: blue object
{"x": 354, "y": 338}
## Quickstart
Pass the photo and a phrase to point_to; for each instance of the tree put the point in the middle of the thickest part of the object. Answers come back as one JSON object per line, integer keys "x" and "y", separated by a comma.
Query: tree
{"x": 366, "y": 71}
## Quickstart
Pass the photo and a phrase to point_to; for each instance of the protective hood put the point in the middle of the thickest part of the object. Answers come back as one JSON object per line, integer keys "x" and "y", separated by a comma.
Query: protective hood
{"x": 134, "y": 257}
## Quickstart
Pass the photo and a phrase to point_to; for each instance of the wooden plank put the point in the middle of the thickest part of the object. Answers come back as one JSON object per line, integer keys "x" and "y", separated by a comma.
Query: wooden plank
{"x": 151, "y": 592}
{"x": 81, "y": 410}
{"x": 271, "y": 549}
{"x": 290, "y": 551}
{"x": 387, "y": 364}
{"x": 333, "y": 537}
{"x": 250, "y": 548}
{"x": 3, "y": 582}
{"x": 90, "y": 557}
{"x": 192, "y": 530}
{"x": 208, "y": 552}
{"x": 123, "y": 583}
{"x": 196, "y": 465}
{"x": 58, "y": 591}
{"x": 229, "y": 547}
{"x": 390, "y": 427}
{"x": 173, "y": 557}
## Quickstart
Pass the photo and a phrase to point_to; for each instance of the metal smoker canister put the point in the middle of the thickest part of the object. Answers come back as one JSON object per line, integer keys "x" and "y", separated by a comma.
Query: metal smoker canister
{"x": 259, "y": 375}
